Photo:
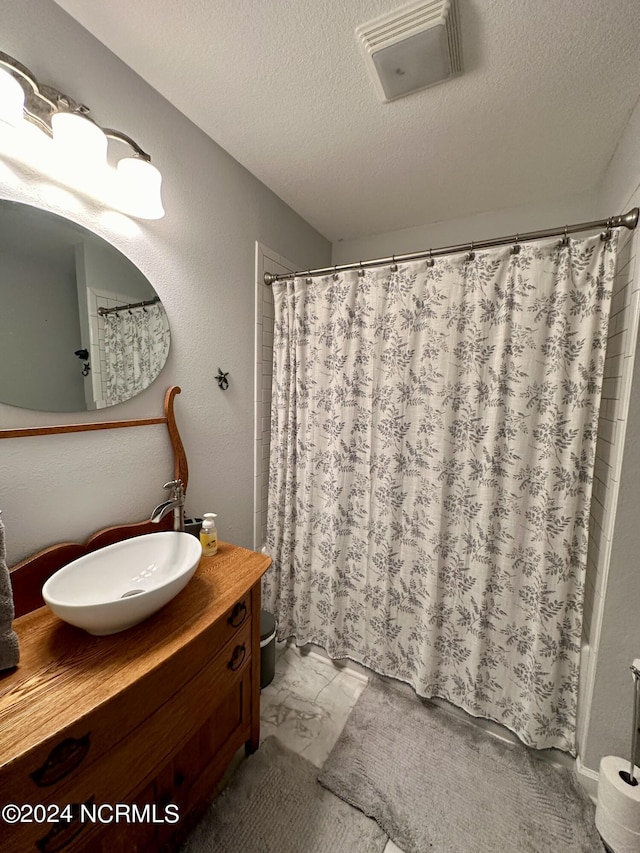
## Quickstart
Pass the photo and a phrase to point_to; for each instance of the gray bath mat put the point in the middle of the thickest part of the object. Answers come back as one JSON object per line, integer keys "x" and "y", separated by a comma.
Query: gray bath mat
{"x": 435, "y": 782}
{"x": 274, "y": 804}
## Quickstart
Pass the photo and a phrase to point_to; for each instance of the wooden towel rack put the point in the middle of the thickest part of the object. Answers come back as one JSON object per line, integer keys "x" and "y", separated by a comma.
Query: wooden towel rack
{"x": 181, "y": 469}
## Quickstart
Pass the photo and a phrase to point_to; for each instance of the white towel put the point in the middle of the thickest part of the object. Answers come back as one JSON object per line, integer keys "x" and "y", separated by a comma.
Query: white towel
{"x": 9, "y": 649}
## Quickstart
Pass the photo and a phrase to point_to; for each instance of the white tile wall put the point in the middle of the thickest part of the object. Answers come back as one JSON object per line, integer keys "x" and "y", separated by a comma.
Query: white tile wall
{"x": 266, "y": 261}
{"x": 612, "y": 424}
{"x": 616, "y": 389}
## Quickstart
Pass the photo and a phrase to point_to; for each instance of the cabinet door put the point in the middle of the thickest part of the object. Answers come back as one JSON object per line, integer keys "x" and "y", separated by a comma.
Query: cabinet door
{"x": 136, "y": 835}
{"x": 190, "y": 780}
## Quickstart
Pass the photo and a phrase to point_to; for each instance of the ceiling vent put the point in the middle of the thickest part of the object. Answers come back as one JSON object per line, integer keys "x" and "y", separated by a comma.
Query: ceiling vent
{"x": 412, "y": 48}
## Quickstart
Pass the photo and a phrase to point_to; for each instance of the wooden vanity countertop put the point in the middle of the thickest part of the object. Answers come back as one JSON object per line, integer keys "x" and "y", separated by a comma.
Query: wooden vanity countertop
{"x": 65, "y": 673}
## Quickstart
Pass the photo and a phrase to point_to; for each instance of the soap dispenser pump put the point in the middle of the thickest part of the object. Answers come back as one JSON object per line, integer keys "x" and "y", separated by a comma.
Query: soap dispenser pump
{"x": 209, "y": 534}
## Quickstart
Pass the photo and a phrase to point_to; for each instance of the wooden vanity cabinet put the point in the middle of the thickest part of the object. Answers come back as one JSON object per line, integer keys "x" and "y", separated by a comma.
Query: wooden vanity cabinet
{"x": 151, "y": 716}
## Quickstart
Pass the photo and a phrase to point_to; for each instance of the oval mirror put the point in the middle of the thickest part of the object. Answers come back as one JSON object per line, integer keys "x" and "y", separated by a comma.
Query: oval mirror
{"x": 81, "y": 328}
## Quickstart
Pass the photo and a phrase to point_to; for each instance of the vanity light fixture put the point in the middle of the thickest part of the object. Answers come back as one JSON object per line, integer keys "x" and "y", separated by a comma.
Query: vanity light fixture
{"x": 54, "y": 134}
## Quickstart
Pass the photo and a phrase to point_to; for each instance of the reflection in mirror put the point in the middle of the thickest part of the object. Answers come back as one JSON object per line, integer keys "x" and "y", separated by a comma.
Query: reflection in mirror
{"x": 81, "y": 328}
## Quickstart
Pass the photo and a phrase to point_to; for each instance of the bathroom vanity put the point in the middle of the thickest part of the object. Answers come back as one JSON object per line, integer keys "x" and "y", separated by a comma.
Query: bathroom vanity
{"x": 149, "y": 717}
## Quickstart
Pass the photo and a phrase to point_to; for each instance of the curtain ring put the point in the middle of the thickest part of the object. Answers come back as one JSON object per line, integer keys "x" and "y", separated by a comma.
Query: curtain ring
{"x": 129, "y": 307}
{"x": 335, "y": 273}
{"x": 565, "y": 239}
{"x": 361, "y": 270}
{"x": 394, "y": 265}
{"x": 515, "y": 249}
{"x": 430, "y": 261}
{"x": 606, "y": 235}
{"x": 471, "y": 254}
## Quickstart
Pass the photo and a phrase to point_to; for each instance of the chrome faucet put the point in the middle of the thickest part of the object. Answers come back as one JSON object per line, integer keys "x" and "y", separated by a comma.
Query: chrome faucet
{"x": 176, "y": 503}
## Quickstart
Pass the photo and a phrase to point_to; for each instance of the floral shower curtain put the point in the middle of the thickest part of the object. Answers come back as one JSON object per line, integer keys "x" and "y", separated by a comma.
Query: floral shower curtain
{"x": 432, "y": 446}
{"x": 136, "y": 348}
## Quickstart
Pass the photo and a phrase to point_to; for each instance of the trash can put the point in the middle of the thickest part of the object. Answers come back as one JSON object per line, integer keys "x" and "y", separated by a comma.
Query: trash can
{"x": 267, "y": 648}
{"x": 193, "y": 525}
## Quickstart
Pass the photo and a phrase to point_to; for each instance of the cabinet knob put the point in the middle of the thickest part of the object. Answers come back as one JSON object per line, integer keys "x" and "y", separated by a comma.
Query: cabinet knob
{"x": 238, "y": 615}
{"x": 237, "y": 658}
{"x": 62, "y": 759}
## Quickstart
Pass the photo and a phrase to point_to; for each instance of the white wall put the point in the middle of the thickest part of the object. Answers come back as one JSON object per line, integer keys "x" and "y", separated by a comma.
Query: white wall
{"x": 200, "y": 260}
{"x": 481, "y": 226}
{"x": 266, "y": 261}
{"x": 616, "y": 591}
{"x": 39, "y": 331}
{"x": 104, "y": 270}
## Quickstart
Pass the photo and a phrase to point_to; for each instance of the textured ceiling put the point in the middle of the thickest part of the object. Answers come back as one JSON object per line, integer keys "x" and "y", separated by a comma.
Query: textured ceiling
{"x": 546, "y": 91}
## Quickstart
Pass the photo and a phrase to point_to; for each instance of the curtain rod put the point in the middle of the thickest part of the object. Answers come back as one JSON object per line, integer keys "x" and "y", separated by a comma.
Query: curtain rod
{"x": 103, "y": 311}
{"x": 627, "y": 220}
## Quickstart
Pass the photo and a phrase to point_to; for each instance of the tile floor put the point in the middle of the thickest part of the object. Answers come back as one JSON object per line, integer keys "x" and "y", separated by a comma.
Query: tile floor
{"x": 308, "y": 702}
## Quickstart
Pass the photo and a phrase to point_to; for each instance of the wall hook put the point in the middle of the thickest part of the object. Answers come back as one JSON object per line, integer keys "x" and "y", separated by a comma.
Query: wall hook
{"x": 222, "y": 380}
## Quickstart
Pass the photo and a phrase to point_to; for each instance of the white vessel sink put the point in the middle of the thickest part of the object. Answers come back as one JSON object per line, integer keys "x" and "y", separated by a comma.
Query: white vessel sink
{"x": 116, "y": 587}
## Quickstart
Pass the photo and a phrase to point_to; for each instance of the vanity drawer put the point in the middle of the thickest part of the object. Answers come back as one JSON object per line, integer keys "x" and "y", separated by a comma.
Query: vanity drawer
{"x": 132, "y": 763}
{"x": 32, "y": 778}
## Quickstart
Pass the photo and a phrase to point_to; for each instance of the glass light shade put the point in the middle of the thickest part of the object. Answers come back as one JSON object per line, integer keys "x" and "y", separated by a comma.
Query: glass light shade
{"x": 11, "y": 99}
{"x": 79, "y": 140}
{"x": 140, "y": 188}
